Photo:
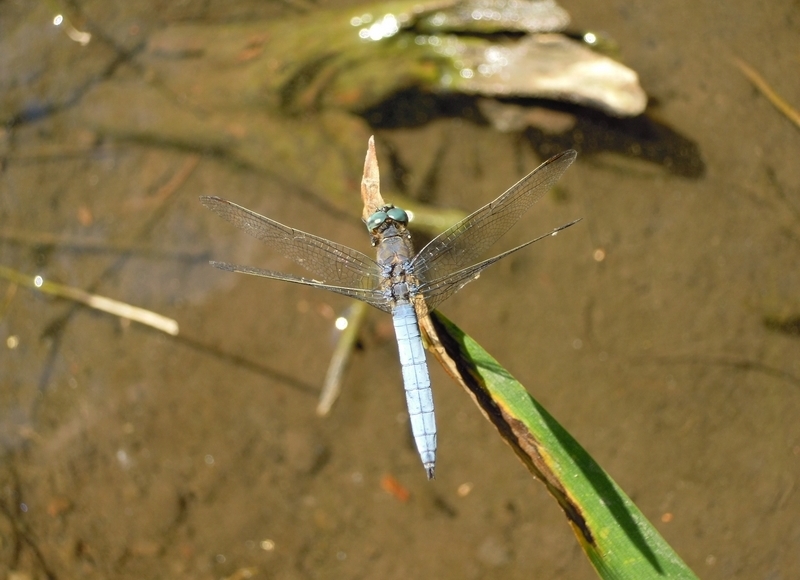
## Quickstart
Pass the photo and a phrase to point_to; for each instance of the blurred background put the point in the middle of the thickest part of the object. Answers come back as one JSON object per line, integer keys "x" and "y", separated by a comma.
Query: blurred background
{"x": 663, "y": 331}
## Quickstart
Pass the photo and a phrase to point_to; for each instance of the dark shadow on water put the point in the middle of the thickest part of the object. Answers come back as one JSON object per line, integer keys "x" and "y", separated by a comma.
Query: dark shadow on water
{"x": 247, "y": 364}
{"x": 592, "y": 132}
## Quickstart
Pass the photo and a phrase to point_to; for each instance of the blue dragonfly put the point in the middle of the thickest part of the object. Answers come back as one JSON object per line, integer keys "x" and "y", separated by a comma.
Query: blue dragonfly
{"x": 398, "y": 281}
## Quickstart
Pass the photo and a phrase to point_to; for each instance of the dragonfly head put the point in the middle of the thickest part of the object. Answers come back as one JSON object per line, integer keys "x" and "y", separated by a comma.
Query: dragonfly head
{"x": 385, "y": 217}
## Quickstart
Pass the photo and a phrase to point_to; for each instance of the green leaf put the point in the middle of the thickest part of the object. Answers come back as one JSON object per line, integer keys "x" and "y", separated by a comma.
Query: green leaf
{"x": 619, "y": 541}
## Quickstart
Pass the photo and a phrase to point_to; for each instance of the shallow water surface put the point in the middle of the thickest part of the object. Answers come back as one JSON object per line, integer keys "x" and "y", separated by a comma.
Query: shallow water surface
{"x": 128, "y": 453}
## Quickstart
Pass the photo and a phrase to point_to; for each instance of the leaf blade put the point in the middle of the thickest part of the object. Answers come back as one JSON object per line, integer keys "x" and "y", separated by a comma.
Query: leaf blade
{"x": 619, "y": 541}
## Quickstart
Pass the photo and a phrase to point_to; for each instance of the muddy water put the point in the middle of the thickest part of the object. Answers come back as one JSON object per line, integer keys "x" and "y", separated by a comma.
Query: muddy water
{"x": 127, "y": 453}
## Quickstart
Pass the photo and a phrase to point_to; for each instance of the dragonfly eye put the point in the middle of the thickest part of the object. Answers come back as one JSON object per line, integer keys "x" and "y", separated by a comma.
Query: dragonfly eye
{"x": 398, "y": 215}
{"x": 376, "y": 219}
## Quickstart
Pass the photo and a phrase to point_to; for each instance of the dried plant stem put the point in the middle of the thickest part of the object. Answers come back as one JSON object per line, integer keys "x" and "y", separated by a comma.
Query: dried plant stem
{"x": 95, "y": 301}
{"x": 766, "y": 90}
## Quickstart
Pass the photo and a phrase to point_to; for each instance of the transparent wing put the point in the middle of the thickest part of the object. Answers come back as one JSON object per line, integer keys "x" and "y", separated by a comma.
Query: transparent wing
{"x": 336, "y": 265}
{"x": 373, "y": 297}
{"x": 460, "y": 245}
{"x": 438, "y": 291}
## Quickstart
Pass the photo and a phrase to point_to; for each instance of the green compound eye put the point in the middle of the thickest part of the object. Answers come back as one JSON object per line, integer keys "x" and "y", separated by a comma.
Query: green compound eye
{"x": 398, "y": 215}
{"x": 376, "y": 219}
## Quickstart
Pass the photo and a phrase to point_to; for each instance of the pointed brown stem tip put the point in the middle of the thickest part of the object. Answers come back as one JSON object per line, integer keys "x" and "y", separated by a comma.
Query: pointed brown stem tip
{"x": 370, "y": 183}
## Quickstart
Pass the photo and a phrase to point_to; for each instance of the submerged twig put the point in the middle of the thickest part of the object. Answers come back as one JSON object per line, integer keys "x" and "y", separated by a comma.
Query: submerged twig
{"x": 766, "y": 90}
{"x": 65, "y": 16}
{"x": 95, "y": 301}
{"x": 341, "y": 356}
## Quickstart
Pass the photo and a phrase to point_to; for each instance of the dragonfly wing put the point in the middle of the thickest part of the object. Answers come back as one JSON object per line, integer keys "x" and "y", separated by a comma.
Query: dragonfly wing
{"x": 464, "y": 242}
{"x": 334, "y": 263}
{"x": 438, "y": 291}
{"x": 372, "y": 297}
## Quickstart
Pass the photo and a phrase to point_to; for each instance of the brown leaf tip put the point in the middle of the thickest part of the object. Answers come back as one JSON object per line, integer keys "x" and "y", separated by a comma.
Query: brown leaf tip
{"x": 370, "y": 183}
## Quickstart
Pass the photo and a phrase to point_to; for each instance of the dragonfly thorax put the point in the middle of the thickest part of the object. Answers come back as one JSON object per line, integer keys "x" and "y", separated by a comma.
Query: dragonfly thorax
{"x": 400, "y": 291}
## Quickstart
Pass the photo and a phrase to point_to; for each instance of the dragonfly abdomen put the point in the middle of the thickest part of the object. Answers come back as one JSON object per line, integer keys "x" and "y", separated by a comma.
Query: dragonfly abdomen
{"x": 417, "y": 382}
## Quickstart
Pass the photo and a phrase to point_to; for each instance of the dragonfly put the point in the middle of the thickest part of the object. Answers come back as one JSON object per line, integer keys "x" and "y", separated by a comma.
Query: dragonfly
{"x": 405, "y": 284}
